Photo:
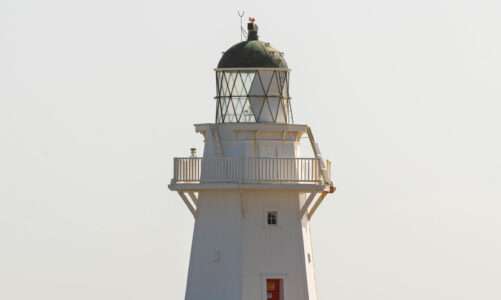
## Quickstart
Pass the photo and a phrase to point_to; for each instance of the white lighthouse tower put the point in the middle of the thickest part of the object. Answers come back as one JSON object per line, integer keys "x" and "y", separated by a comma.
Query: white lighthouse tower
{"x": 252, "y": 195}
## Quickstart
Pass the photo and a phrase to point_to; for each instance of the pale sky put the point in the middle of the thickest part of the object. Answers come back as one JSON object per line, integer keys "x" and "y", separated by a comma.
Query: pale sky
{"x": 97, "y": 97}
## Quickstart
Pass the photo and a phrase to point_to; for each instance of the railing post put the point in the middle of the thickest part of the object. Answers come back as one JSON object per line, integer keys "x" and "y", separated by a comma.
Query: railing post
{"x": 241, "y": 170}
{"x": 175, "y": 170}
{"x": 199, "y": 169}
{"x": 182, "y": 170}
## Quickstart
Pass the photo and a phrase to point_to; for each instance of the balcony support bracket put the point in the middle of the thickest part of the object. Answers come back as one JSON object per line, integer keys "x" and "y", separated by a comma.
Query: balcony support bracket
{"x": 316, "y": 204}
{"x": 307, "y": 204}
{"x": 190, "y": 204}
{"x": 194, "y": 198}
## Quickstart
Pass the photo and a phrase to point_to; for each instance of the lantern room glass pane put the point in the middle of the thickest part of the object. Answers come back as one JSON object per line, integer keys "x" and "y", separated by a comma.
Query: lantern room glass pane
{"x": 253, "y": 96}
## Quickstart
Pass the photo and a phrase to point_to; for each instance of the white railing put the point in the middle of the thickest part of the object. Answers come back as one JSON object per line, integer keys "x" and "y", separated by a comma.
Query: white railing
{"x": 250, "y": 170}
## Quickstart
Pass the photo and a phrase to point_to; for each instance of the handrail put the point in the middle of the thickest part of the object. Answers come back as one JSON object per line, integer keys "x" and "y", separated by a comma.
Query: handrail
{"x": 249, "y": 170}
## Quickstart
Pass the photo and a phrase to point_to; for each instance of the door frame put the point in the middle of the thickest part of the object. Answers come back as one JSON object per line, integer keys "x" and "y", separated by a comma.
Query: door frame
{"x": 265, "y": 276}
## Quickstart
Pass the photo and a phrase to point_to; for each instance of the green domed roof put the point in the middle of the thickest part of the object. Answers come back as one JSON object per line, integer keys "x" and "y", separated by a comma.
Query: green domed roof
{"x": 252, "y": 54}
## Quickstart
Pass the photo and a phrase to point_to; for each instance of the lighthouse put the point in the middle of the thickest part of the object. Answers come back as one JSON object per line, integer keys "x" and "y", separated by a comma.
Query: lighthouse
{"x": 251, "y": 193}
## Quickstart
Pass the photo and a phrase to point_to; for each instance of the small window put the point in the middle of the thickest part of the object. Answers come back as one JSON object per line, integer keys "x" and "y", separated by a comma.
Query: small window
{"x": 272, "y": 218}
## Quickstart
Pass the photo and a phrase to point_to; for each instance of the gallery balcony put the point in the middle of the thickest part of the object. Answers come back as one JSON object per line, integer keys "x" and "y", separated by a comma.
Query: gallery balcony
{"x": 194, "y": 174}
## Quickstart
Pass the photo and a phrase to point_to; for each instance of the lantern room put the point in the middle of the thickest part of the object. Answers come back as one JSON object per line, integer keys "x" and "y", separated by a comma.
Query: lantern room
{"x": 252, "y": 82}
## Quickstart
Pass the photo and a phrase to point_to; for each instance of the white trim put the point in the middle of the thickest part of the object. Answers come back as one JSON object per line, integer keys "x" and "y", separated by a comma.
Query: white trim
{"x": 252, "y": 69}
{"x": 253, "y": 126}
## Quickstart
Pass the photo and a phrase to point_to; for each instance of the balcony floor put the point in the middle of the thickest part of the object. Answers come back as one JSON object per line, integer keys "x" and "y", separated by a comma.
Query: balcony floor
{"x": 306, "y": 187}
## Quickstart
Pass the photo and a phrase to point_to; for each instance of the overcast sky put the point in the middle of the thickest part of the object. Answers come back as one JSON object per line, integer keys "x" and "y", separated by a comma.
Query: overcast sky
{"x": 97, "y": 97}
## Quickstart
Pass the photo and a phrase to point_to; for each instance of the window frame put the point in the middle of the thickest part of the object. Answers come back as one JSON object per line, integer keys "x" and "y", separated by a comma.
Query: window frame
{"x": 272, "y": 218}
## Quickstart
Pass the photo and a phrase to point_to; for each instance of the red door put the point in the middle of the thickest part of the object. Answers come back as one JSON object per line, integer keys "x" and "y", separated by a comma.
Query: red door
{"x": 274, "y": 289}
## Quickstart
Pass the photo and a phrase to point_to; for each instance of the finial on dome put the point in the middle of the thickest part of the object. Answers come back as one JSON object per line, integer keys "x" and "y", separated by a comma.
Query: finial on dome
{"x": 252, "y": 30}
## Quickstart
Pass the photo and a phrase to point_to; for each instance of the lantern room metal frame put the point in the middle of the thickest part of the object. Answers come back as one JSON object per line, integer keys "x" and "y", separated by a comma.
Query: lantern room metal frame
{"x": 244, "y": 96}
